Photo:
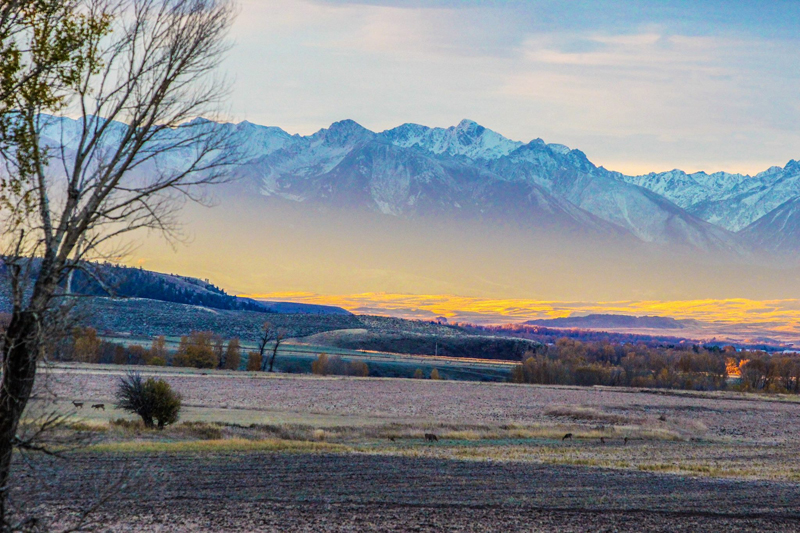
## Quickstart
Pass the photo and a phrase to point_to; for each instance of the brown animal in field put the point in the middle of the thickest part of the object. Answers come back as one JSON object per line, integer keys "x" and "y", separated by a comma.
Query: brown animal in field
{"x": 567, "y": 436}
{"x": 78, "y": 405}
{"x": 626, "y": 440}
{"x": 602, "y": 440}
{"x": 430, "y": 437}
{"x": 99, "y": 406}
{"x": 391, "y": 439}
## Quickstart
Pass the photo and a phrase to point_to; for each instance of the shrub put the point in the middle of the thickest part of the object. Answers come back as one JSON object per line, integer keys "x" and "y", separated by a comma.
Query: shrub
{"x": 359, "y": 368}
{"x": 166, "y": 402}
{"x": 419, "y": 374}
{"x": 435, "y": 374}
{"x": 158, "y": 361}
{"x": 253, "y": 361}
{"x": 153, "y": 400}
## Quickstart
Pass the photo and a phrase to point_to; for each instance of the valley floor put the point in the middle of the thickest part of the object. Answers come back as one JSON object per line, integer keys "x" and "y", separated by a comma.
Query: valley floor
{"x": 302, "y": 453}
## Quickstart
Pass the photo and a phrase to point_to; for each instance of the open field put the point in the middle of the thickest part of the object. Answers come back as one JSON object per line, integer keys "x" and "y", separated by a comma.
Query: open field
{"x": 336, "y": 492}
{"x": 272, "y": 452}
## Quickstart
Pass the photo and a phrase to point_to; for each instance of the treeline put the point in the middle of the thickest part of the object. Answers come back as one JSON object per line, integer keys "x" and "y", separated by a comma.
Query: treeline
{"x": 546, "y": 335}
{"x": 139, "y": 283}
{"x": 465, "y": 346}
{"x": 690, "y": 367}
{"x": 199, "y": 349}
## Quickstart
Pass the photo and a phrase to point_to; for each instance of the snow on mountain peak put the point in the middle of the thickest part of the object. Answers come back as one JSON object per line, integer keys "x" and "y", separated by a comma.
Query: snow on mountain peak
{"x": 468, "y": 139}
{"x": 343, "y": 133}
{"x": 559, "y": 148}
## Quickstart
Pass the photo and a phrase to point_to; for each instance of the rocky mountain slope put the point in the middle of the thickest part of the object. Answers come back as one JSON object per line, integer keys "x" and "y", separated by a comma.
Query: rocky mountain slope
{"x": 470, "y": 171}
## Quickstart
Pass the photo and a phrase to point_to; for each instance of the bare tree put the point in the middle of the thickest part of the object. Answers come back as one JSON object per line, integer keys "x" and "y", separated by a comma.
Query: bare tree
{"x": 263, "y": 340}
{"x": 269, "y": 334}
{"x": 279, "y": 336}
{"x": 136, "y": 74}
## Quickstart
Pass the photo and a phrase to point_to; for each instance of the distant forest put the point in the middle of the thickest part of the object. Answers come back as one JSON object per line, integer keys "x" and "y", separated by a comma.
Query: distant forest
{"x": 112, "y": 280}
{"x": 689, "y": 367}
{"x": 549, "y": 335}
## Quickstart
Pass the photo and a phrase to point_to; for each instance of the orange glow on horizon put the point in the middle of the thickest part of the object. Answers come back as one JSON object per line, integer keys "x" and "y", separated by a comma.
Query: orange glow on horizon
{"x": 773, "y": 316}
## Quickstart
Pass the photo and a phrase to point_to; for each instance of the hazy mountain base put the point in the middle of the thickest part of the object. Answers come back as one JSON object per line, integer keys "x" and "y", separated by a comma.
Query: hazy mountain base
{"x": 254, "y": 244}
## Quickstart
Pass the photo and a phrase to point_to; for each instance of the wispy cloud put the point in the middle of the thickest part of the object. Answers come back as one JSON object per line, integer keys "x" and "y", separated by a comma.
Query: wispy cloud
{"x": 646, "y": 87}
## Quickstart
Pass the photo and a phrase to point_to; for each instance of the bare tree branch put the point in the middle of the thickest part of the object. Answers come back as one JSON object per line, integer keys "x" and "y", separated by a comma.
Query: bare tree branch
{"x": 138, "y": 74}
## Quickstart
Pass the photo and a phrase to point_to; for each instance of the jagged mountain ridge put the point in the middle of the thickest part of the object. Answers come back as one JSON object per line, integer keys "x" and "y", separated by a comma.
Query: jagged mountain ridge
{"x": 469, "y": 170}
{"x": 732, "y": 201}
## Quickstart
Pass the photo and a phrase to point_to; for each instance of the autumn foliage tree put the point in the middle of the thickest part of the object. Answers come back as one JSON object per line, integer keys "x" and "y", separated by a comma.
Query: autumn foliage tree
{"x": 253, "y": 361}
{"x": 233, "y": 355}
{"x": 197, "y": 350}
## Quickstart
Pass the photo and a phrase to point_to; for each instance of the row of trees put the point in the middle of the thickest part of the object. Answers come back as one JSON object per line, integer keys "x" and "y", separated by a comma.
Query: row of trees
{"x": 336, "y": 366}
{"x": 198, "y": 349}
{"x": 572, "y": 362}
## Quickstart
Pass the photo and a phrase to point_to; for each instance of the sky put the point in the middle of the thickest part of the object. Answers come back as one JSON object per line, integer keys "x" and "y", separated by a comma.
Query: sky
{"x": 638, "y": 86}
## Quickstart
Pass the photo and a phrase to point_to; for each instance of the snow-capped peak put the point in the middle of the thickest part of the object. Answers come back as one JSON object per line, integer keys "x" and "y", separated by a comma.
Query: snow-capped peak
{"x": 342, "y": 133}
{"x": 468, "y": 139}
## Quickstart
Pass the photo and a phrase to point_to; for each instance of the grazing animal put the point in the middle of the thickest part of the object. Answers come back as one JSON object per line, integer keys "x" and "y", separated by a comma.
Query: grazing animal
{"x": 391, "y": 439}
{"x": 79, "y": 405}
{"x": 430, "y": 437}
{"x": 602, "y": 440}
{"x": 626, "y": 440}
{"x": 567, "y": 436}
{"x": 663, "y": 418}
{"x": 99, "y": 406}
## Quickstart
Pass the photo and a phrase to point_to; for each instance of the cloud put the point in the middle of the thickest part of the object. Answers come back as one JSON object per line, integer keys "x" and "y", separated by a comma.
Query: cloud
{"x": 636, "y": 87}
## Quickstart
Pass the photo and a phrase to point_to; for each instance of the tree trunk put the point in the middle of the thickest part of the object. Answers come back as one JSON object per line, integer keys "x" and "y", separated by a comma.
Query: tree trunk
{"x": 20, "y": 350}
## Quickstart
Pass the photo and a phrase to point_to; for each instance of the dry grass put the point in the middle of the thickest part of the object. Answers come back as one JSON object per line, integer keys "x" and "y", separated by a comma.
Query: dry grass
{"x": 577, "y": 412}
{"x": 218, "y": 445}
{"x": 719, "y": 434}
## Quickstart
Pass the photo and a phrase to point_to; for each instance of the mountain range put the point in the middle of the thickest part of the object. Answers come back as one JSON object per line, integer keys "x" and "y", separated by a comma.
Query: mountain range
{"x": 471, "y": 171}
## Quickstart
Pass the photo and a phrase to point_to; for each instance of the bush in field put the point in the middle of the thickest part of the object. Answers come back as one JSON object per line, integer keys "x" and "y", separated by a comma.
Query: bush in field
{"x": 197, "y": 350}
{"x": 166, "y": 402}
{"x": 419, "y": 374}
{"x": 253, "y": 361}
{"x": 435, "y": 374}
{"x": 153, "y": 400}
